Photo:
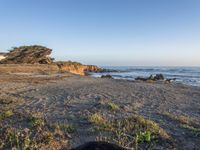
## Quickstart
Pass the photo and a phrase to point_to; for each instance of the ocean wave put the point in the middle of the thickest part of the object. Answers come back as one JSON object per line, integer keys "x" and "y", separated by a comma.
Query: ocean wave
{"x": 186, "y": 75}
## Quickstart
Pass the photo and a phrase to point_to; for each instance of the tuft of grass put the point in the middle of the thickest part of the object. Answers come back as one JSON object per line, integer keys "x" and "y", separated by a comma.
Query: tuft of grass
{"x": 145, "y": 136}
{"x": 17, "y": 139}
{"x": 96, "y": 118}
{"x": 150, "y": 81}
{"x": 193, "y": 130}
{"x": 112, "y": 106}
{"x": 66, "y": 128}
{"x": 131, "y": 131}
{"x": 36, "y": 120}
{"x": 6, "y": 114}
{"x": 183, "y": 119}
{"x": 186, "y": 122}
{"x": 47, "y": 137}
{"x": 32, "y": 135}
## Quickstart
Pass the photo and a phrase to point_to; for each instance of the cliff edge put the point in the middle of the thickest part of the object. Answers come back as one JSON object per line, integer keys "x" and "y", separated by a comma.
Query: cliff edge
{"x": 39, "y": 56}
{"x": 77, "y": 68}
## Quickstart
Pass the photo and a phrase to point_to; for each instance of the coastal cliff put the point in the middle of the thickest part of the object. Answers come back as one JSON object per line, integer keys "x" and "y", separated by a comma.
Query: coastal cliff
{"x": 36, "y": 58}
{"x": 77, "y": 68}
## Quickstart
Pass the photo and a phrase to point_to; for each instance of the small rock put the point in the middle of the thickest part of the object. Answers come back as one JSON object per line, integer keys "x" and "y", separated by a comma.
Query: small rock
{"x": 157, "y": 77}
{"x": 107, "y": 76}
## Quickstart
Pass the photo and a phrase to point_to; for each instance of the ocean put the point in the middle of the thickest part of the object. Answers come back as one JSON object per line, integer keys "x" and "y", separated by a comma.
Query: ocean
{"x": 185, "y": 75}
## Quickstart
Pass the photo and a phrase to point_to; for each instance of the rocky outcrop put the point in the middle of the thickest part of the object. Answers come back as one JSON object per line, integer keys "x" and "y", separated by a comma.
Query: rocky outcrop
{"x": 41, "y": 55}
{"x": 76, "y": 68}
{"x": 28, "y": 55}
{"x": 107, "y": 76}
{"x": 151, "y": 77}
{"x": 46, "y": 68}
{"x": 157, "y": 77}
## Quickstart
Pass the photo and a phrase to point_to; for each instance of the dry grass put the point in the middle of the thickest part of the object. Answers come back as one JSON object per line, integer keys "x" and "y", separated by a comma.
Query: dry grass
{"x": 5, "y": 115}
{"x": 27, "y": 130}
{"x": 195, "y": 131}
{"x": 128, "y": 132}
{"x": 97, "y": 118}
{"x": 36, "y": 120}
{"x": 112, "y": 106}
{"x": 186, "y": 122}
{"x": 183, "y": 119}
{"x": 30, "y": 132}
{"x": 64, "y": 127}
{"x": 27, "y": 68}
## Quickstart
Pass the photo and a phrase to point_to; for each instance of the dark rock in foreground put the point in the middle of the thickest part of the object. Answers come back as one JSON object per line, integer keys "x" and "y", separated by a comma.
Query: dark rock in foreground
{"x": 107, "y": 76}
{"x": 169, "y": 80}
{"x": 151, "y": 77}
{"x": 157, "y": 77}
{"x": 98, "y": 146}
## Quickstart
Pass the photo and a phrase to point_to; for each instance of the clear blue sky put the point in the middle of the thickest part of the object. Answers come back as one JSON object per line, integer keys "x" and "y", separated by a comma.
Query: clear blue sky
{"x": 106, "y": 32}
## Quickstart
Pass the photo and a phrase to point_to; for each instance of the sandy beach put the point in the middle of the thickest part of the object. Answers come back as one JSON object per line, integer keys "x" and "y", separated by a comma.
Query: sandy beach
{"x": 100, "y": 75}
{"x": 70, "y": 99}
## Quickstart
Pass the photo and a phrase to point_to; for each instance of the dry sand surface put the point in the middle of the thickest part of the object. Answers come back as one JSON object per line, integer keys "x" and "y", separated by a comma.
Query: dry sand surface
{"x": 71, "y": 99}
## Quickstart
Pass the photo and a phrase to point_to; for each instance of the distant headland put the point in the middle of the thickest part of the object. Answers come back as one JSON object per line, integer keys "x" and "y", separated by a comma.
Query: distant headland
{"x": 38, "y": 57}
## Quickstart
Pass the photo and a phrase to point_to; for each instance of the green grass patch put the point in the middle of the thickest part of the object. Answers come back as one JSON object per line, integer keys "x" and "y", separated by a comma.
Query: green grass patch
{"x": 112, "y": 106}
{"x": 193, "y": 130}
{"x": 129, "y": 132}
{"x": 66, "y": 128}
{"x": 36, "y": 120}
{"x": 96, "y": 118}
{"x": 6, "y": 114}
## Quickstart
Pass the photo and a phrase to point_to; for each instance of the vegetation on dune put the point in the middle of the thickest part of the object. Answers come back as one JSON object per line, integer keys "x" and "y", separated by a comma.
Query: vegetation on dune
{"x": 195, "y": 131}
{"x": 6, "y": 114}
{"x": 97, "y": 118}
{"x": 66, "y": 128}
{"x": 36, "y": 54}
{"x": 30, "y": 132}
{"x": 112, "y": 106}
{"x": 9, "y": 102}
{"x": 36, "y": 120}
{"x": 28, "y": 54}
{"x": 128, "y": 132}
{"x": 185, "y": 122}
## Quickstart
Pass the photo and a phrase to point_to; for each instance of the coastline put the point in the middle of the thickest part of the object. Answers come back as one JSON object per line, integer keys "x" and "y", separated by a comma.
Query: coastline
{"x": 186, "y": 75}
{"x": 71, "y": 98}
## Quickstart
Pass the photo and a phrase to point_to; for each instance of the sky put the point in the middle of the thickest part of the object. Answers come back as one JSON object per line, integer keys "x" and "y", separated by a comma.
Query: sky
{"x": 106, "y": 32}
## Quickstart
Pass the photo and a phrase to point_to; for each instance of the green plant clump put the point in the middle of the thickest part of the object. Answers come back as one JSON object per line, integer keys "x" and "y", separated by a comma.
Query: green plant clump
{"x": 5, "y": 114}
{"x": 66, "y": 128}
{"x": 129, "y": 132}
{"x": 36, "y": 121}
{"x": 193, "y": 130}
{"x": 112, "y": 106}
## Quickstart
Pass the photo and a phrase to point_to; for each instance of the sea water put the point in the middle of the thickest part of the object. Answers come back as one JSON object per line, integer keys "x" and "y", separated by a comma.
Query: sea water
{"x": 185, "y": 75}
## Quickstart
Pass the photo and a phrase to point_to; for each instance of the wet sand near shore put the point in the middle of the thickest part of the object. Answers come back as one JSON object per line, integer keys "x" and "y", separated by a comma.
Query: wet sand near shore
{"x": 71, "y": 99}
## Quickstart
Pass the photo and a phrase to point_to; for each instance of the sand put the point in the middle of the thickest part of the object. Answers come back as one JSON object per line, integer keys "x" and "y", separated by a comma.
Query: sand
{"x": 70, "y": 98}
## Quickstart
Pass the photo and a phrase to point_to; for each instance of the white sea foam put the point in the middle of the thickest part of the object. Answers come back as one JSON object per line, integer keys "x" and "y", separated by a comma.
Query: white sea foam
{"x": 186, "y": 75}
